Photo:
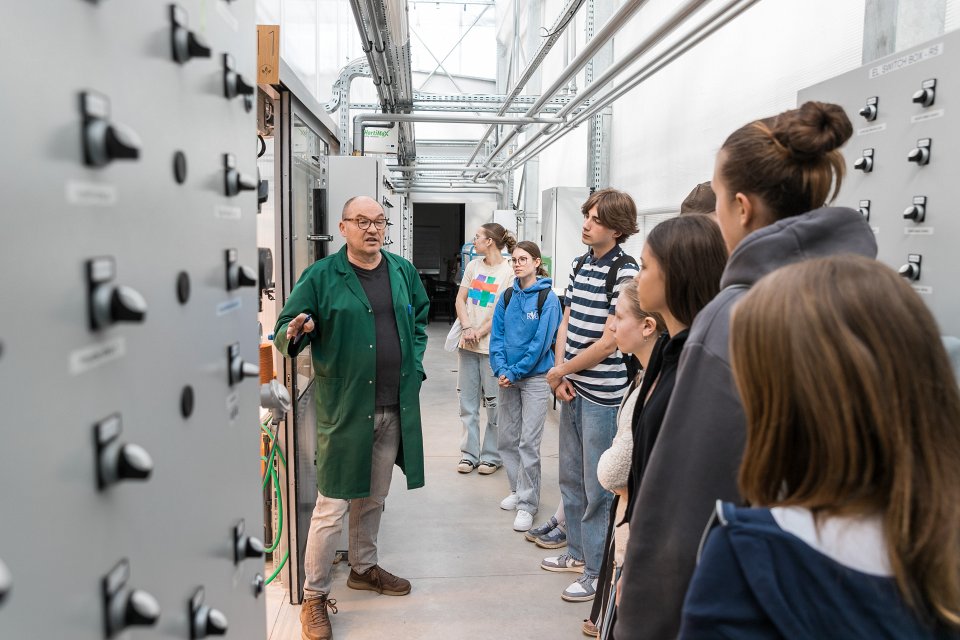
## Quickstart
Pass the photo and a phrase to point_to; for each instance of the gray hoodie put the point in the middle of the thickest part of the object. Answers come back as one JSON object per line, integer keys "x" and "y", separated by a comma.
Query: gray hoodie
{"x": 697, "y": 455}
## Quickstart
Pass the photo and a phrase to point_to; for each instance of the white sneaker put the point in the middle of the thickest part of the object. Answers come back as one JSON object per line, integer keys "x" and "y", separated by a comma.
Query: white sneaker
{"x": 510, "y": 502}
{"x": 523, "y": 521}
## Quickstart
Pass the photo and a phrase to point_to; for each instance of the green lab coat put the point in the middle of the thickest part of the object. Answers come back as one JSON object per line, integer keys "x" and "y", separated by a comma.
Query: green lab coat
{"x": 344, "y": 364}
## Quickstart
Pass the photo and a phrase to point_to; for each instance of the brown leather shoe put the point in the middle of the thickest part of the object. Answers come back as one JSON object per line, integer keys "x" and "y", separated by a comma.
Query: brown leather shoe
{"x": 590, "y": 629}
{"x": 314, "y": 621}
{"x": 376, "y": 579}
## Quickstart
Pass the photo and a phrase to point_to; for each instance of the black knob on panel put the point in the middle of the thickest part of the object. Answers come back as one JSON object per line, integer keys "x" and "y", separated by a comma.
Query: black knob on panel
{"x": 246, "y": 547}
{"x": 235, "y": 182}
{"x": 258, "y": 585}
{"x": 238, "y": 369}
{"x": 920, "y": 155}
{"x": 864, "y": 164}
{"x": 142, "y": 609}
{"x": 241, "y": 276}
{"x": 910, "y": 271}
{"x": 6, "y": 582}
{"x": 208, "y": 622}
{"x": 112, "y": 304}
{"x": 914, "y": 212}
{"x": 134, "y": 463}
{"x": 869, "y": 112}
{"x": 105, "y": 142}
{"x": 925, "y": 97}
{"x": 186, "y": 44}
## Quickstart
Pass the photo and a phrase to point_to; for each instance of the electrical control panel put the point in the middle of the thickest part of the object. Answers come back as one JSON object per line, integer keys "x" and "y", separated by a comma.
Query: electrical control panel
{"x": 128, "y": 327}
{"x": 902, "y": 167}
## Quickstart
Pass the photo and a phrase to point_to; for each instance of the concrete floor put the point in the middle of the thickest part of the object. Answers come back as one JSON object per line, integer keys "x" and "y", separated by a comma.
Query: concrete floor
{"x": 472, "y": 574}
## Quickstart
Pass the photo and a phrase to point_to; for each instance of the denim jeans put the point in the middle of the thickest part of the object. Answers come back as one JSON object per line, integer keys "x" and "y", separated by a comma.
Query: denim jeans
{"x": 476, "y": 383}
{"x": 586, "y": 431}
{"x": 327, "y": 520}
{"x": 523, "y": 409}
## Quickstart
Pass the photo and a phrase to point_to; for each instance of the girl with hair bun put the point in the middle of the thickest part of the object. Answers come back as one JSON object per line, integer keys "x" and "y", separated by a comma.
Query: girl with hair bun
{"x": 484, "y": 279}
{"x": 773, "y": 179}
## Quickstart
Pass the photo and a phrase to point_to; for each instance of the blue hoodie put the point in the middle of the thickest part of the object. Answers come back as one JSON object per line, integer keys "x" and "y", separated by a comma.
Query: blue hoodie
{"x": 757, "y": 582}
{"x": 521, "y": 341}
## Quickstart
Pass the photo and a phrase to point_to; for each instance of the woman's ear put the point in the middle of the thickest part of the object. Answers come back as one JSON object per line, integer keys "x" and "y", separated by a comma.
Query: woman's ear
{"x": 649, "y": 327}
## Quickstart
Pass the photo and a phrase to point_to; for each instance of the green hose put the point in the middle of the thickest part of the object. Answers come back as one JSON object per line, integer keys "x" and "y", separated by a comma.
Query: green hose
{"x": 272, "y": 473}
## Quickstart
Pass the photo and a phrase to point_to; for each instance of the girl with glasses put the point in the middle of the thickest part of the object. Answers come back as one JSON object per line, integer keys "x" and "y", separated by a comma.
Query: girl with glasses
{"x": 521, "y": 352}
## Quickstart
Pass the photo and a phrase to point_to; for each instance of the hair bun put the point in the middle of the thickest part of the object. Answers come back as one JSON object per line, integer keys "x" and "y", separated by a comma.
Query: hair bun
{"x": 813, "y": 130}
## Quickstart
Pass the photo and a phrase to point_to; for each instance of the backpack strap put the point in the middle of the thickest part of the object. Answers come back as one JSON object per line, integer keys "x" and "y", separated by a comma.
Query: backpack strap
{"x": 506, "y": 295}
{"x": 541, "y": 299}
{"x": 614, "y": 271}
{"x": 580, "y": 262}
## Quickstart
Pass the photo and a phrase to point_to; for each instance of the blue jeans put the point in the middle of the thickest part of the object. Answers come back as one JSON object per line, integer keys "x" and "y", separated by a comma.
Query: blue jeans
{"x": 476, "y": 382}
{"x": 523, "y": 409}
{"x": 586, "y": 431}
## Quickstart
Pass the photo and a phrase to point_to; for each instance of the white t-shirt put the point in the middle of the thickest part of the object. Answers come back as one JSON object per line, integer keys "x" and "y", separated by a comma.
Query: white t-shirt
{"x": 484, "y": 285}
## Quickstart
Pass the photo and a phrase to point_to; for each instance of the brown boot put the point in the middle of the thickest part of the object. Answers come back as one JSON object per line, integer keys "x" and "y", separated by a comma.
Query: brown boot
{"x": 590, "y": 629}
{"x": 314, "y": 621}
{"x": 376, "y": 579}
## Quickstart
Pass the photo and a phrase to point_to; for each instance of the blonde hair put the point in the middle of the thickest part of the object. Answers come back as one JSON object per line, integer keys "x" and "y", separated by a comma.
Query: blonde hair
{"x": 852, "y": 408}
{"x": 628, "y": 294}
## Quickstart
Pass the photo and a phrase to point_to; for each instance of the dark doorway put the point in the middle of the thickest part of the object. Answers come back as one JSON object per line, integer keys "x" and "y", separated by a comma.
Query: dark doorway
{"x": 438, "y": 231}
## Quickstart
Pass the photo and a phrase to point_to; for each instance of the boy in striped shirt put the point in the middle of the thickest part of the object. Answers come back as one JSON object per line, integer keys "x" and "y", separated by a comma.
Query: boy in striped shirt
{"x": 590, "y": 378}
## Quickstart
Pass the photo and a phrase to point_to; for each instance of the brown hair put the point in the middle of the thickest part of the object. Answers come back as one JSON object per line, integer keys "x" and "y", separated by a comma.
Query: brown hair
{"x": 852, "y": 408}
{"x": 616, "y": 209}
{"x": 500, "y": 236}
{"x": 629, "y": 293}
{"x": 534, "y": 251}
{"x": 790, "y": 160}
{"x": 692, "y": 256}
{"x": 701, "y": 200}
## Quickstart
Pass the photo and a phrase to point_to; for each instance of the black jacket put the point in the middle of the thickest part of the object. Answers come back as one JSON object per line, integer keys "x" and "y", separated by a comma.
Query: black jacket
{"x": 698, "y": 451}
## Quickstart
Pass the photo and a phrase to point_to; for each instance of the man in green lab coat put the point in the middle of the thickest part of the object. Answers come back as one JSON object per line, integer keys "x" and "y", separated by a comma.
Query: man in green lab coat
{"x": 363, "y": 311}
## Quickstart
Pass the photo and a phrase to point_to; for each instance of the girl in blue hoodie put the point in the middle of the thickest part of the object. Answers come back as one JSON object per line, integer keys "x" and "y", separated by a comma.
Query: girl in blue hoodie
{"x": 521, "y": 352}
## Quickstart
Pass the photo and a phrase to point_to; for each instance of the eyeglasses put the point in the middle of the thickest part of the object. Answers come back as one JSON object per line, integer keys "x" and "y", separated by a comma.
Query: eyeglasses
{"x": 477, "y": 237}
{"x": 521, "y": 260}
{"x": 364, "y": 223}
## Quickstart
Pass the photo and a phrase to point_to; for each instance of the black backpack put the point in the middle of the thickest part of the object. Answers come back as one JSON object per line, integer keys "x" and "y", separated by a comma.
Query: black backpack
{"x": 633, "y": 365}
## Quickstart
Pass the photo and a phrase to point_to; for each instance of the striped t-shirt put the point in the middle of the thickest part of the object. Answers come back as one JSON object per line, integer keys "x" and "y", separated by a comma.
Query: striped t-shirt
{"x": 586, "y": 296}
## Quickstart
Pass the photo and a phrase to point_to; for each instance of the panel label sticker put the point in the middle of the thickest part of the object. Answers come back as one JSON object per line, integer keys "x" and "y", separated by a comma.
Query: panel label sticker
{"x": 227, "y": 212}
{"x": 918, "y": 231}
{"x": 87, "y": 358}
{"x": 923, "y": 117}
{"x": 874, "y": 129}
{"x": 876, "y": 230}
{"x": 921, "y": 289}
{"x": 229, "y": 306}
{"x": 906, "y": 60}
{"x": 91, "y": 194}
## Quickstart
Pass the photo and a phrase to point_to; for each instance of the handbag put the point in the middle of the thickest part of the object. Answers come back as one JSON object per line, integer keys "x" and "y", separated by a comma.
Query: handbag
{"x": 453, "y": 336}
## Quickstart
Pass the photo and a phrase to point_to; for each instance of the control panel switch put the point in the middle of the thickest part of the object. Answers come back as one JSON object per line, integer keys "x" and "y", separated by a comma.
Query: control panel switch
{"x": 921, "y": 153}
{"x": 125, "y": 607}
{"x": 916, "y": 211}
{"x": 110, "y": 303}
{"x": 233, "y": 83}
{"x": 865, "y": 161}
{"x": 118, "y": 460}
{"x": 6, "y": 581}
{"x": 865, "y": 209}
{"x": 927, "y": 93}
{"x": 205, "y": 621}
{"x": 103, "y": 140}
{"x": 911, "y": 270}
{"x": 237, "y": 368}
{"x": 871, "y": 109}
{"x": 237, "y": 274}
{"x": 233, "y": 181}
{"x": 245, "y": 546}
{"x": 185, "y": 43}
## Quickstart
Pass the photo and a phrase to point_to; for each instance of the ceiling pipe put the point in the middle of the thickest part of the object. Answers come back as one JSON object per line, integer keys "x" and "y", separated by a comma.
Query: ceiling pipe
{"x": 692, "y": 39}
{"x": 559, "y": 26}
{"x": 680, "y": 16}
{"x": 359, "y": 119}
{"x": 613, "y": 25}
{"x": 433, "y": 167}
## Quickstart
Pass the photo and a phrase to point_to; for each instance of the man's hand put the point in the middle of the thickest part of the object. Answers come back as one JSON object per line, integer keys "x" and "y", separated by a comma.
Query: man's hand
{"x": 565, "y": 390}
{"x": 504, "y": 382}
{"x": 299, "y": 325}
{"x": 554, "y": 377}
